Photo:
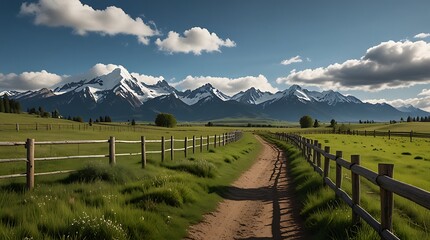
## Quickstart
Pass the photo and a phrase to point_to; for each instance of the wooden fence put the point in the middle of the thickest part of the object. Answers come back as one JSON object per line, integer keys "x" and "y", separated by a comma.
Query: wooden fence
{"x": 411, "y": 135}
{"x": 193, "y": 143}
{"x": 312, "y": 151}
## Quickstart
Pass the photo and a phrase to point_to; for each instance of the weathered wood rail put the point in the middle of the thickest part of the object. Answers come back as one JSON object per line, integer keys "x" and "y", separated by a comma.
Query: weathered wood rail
{"x": 411, "y": 135}
{"x": 188, "y": 143}
{"x": 312, "y": 152}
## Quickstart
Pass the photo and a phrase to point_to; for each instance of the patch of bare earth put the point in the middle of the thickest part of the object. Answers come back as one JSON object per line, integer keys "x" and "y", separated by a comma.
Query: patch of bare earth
{"x": 259, "y": 205}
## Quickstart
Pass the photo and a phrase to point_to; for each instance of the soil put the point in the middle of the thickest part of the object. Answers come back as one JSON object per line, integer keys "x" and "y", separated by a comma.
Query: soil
{"x": 259, "y": 205}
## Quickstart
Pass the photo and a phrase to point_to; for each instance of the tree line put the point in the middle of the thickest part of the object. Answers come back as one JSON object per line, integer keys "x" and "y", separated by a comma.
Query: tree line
{"x": 9, "y": 105}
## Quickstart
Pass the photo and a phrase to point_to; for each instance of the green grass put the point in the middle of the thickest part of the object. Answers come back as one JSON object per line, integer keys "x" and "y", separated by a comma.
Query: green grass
{"x": 330, "y": 218}
{"x": 119, "y": 202}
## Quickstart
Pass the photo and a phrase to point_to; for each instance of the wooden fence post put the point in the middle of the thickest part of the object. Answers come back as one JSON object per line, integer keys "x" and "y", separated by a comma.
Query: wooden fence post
{"x": 338, "y": 170}
{"x": 223, "y": 139}
{"x": 355, "y": 179}
{"x": 389, "y": 134}
{"x": 143, "y": 148}
{"x": 365, "y": 133}
{"x": 326, "y": 164}
{"x": 215, "y": 141}
{"x": 387, "y": 201}
{"x": 374, "y": 133}
{"x": 30, "y": 163}
{"x": 410, "y": 135}
{"x": 17, "y": 127}
{"x": 201, "y": 143}
{"x": 185, "y": 146}
{"x": 172, "y": 148}
{"x": 112, "y": 159}
{"x": 163, "y": 146}
{"x": 314, "y": 160}
{"x": 194, "y": 144}
{"x": 207, "y": 143}
{"x": 319, "y": 156}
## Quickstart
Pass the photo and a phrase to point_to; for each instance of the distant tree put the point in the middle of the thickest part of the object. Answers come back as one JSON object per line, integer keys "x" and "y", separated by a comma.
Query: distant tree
{"x": 249, "y": 125}
{"x": 6, "y": 104}
{"x": 90, "y": 122}
{"x": 108, "y": 119}
{"x": 306, "y": 122}
{"x": 133, "y": 122}
{"x": 333, "y": 123}
{"x": 359, "y": 121}
{"x": 165, "y": 120}
{"x": 101, "y": 119}
{"x": 78, "y": 119}
{"x": 45, "y": 114}
{"x": 97, "y": 121}
{"x": 209, "y": 124}
{"x": 55, "y": 114}
{"x": 2, "y": 108}
{"x": 316, "y": 123}
{"x": 69, "y": 118}
{"x": 401, "y": 119}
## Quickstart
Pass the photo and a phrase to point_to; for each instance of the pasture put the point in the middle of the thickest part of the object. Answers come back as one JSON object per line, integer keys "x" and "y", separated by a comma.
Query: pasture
{"x": 412, "y": 165}
{"x": 119, "y": 202}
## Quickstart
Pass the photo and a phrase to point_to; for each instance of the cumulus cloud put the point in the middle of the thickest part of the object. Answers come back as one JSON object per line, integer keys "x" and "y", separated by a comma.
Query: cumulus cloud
{"x": 150, "y": 80}
{"x": 387, "y": 65}
{"x": 424, "y": 92}
{"x": 29, "y": 80}
{"x": 292, "y": 60}
{"x": 83, "y": 18}
{"x": 229, "y": 86}
{"x": 422, "y": 35}
{"x": 195, "y": 40}
{"x": 422, "y": 103}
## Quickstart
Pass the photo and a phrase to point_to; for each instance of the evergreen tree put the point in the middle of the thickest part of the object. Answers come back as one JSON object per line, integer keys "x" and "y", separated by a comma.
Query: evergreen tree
{"x": 333, "y": 123}
{"x": 316, "y": 123}
{"x": 133, "y": 122}
{"x": 2, "y": 108}
{"x": 409, "y": 119}
{"x": 306, "y": 122}
{"x": 6, "y": 104}
{"x": 90, "y": 122}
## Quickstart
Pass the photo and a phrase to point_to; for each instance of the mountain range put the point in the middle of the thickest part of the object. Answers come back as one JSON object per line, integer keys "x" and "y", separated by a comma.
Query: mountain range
{"x": 123, "y": 97}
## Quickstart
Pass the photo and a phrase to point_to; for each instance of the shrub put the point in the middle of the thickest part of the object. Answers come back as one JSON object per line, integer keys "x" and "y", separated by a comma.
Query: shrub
{"x": 165, "y": 120}
{"x": 98, "y": 172}
{"x": 306, "y": 122}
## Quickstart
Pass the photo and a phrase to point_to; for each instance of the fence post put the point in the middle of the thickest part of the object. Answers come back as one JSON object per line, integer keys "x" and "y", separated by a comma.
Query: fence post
{"x": 112, "y": 159}
{"x": 389, "y": 134}
{"x": 338, "y": 170}
{"x": 185, "y": 146}
{"x": 172, "y": 148}
{"x": 143, "y": 147}
{"x": 365, "y": 133}
{"x": 17, "y": 127}
{"x": 207, "y": 143}
{"x": 201, "y": 143}
{"x": 374, "y": 133}
{"x": 314, "y": 160}
{"x": 355, "y": 178}
{"x": 319, "y": 156}
{"x": 326, "y": 164}
{"x": 215, "y": 141}
{"x": 162, "y": 148}
{"x": 194, "y": 144}
{"x": 223, "y": 139}
{"x": 387, "y": 201}
{"x": 410, "y": 135}
{"x": 30, "y": 163}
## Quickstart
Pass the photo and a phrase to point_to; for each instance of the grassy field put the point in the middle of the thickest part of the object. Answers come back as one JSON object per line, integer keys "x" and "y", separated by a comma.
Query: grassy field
{"x": 120, "y": 202}
{"x": 328, "y": 217}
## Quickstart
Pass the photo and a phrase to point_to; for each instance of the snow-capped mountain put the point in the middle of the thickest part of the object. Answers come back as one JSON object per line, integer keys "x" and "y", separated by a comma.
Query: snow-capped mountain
{"x": 204, "y": 93}
{"x": 122, "y": 96}
{"x": 411, "y": 110}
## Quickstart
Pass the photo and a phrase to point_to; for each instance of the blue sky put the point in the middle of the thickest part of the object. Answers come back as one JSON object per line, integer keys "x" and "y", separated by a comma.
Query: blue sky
{"x": 232, "y": 44}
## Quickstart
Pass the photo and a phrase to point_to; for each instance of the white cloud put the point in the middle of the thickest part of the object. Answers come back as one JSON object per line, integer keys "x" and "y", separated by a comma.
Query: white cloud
{"x": 422, "y": 35}
{"x": 83, "y": 18}
{"x": 29, "y": 80}
{"x": 195, "y": 40}
{"x": 385, "y": 66}
{"x": 424, "y": 92}
{"x": 292, "y": 60}
{"x": 229, "y": 86}
{"x": 150, "y": 80}
{"x": 422, "y": 103}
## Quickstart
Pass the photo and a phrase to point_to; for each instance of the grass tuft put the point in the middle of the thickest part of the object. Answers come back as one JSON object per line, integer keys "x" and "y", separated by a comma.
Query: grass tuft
{"x": 98, "y": 172}
{"x": 200, "y": 168}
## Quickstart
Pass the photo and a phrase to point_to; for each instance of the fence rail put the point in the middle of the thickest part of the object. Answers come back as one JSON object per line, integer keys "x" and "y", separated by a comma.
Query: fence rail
{"x": 312, "y": 152}
{"x": 30, "y": 145}
{"x": 373, "y": 133}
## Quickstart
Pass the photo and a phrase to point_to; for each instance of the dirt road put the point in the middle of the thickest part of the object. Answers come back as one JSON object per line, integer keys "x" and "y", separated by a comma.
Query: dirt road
{"x": 259, "y": 205}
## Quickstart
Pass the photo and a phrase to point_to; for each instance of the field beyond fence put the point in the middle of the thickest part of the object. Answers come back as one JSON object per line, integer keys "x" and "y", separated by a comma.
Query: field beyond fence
{"x": 312, "y": 152}
{"x": 147, "y": 146}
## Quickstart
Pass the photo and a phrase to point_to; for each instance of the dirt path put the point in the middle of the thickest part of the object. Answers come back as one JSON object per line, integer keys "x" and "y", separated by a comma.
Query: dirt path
{"x": 259, "y": 205}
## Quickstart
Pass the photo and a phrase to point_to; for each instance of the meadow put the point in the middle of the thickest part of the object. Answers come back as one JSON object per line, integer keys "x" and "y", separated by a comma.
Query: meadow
{"x": 119, "y": 202}
{"x": 327, "y": 216}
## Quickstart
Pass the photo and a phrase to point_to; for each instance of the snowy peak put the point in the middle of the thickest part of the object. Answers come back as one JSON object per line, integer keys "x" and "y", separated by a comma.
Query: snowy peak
{"x": 204, "y": 93}
{"x": 252, "y": 96}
